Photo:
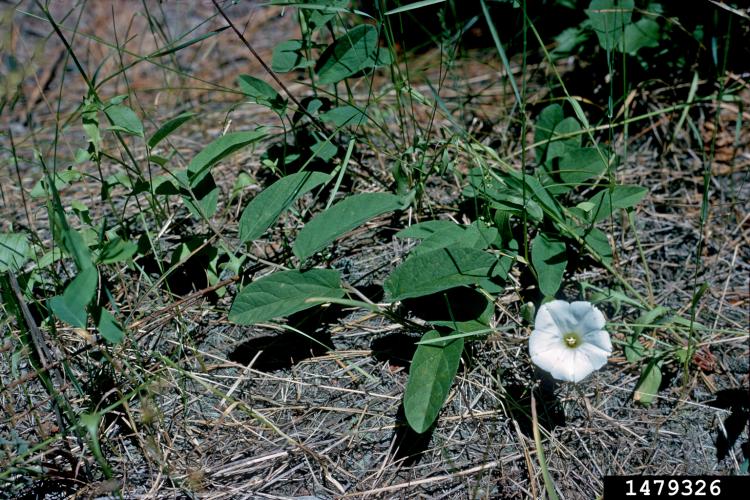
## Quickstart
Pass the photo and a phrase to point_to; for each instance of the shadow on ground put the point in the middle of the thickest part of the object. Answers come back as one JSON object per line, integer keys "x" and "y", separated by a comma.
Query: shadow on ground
{"x": 282, "y": 351}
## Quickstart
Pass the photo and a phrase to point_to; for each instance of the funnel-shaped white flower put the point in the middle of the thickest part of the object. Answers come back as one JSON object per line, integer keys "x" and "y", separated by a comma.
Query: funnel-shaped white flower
{"x": 569, "y": 340}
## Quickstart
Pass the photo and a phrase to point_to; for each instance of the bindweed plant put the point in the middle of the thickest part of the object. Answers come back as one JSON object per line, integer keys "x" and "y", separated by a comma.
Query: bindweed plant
{"x": 531, "y": 219}
{"x": 532, "y": 213}
{"x": 555, "y": 206}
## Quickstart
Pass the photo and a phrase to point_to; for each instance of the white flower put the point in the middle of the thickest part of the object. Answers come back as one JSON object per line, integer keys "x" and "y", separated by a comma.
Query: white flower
{"x": 569, "y": 340}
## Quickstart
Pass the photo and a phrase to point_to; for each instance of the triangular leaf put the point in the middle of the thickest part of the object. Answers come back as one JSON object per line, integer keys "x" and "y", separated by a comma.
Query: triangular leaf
{"x": 607, "y": 201}
{"x": 288, "y": 56}
{"x": 439, "y": 270}
{"x": 351, "y": 53}
{"x": 648, "y": 384}
{"x": 108, "y": 327}
{"x": 643, "y": 33}
{"x": 262, "y": 93}
{"x": 580, "y": 165}
{"x": 15, "y": 251}
{"x": 431, "y": 375}
{"x": 169, "y": 127}
{"x": 222, "y": 147}
{"x": 609, "y": 19}
{"x": 344, "y": 116}
{"x": 267, "y": 206}
{"x": 550, "y": 259}
{"x": 425, "y": 229}
{"x": 545, "y": 126}
{"x": 117, "y": 250}
{"x": 564, "y": 139}
{"x": 71, "y": 305}
{"x": 341, "y": 218}
{"x": 283, "y": 293}
{"x": 124, "y": 119}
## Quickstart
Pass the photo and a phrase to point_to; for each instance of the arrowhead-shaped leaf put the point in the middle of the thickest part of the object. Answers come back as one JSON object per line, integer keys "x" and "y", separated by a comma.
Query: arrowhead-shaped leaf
{"x": 438, "y": 270}
{"x": 267, "y": 206}
{"x": 261, "y": 92}
{"x": 14, "y": 251}
{"x": 608, "y": 20}
{"x": 222, "y": 147}
{"x": 431, "y": 375}
{"x": 580, "y": 165}
{"x": 283, "y": 293}
{"x": 71, "y": 305}
{"x": 124, "y": 119}
{"x": 108, "y": 327}
{"x": 550, "y": 259}
{"x": 341, "y": 218}
{"x": 621, "y": 196}
{"x": 169, "y": 127}
{"x": 648, "y": 384}
{"x": 351, "y": 53}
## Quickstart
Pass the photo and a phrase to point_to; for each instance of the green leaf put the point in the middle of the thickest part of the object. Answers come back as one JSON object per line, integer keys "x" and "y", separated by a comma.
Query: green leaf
{"x": 439, "y": 270}
{"x": 62, "y": 179}
{"x": 341, "y": 218}
{"x": 648, "y": 384}
{"x": 412, "y": 6}
{"x": 219, "y": 149}
{"x": 71, "y": 305}
{"x": 283, "y": 293}
{"x": 262, "y": 93}
{"x": 580, "y": 165}
{"x": 324, "y": 149}
{"x": 425, "y": 229}
{"x": 643, "y": 33}
{"x": 449, "y": 236}
{"x": 550, "y": 259}
{"x": 472, "y": 236}
{"x": 535, "y": 190}
{"x": 562, "y": 143}
{"x": 325, "y": 10}
{"x": 117, "y": 250}
{"x": 568, "y": 41}
{"x": 205, "y": 197}
{"x": 431, "y": 375}
{"x": 75, "y": 246}
{"x": 469, "y": 325}
{"x": 622, "y": 196}
{"x": 15, "y": 251}
{"x": 515, "y": 205}
{"x": 169, "y": 127}
{"x": 288, "y": 56}
{"x": 263, "y": 210}
{"x": 545, "y": 126}
{"x": 608, "y": 20}
{"x": 634, "y": 350}
{"x": 598, "y": 241}
{"x": 344, "y": 116}
{"x": 108, "y": 327}
{"x": 124, "y": 119}
{"x": 351, "y": 53}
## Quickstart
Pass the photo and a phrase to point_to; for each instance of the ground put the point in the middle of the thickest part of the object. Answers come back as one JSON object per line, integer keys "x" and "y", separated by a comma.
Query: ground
{"x": 200, "y": 407}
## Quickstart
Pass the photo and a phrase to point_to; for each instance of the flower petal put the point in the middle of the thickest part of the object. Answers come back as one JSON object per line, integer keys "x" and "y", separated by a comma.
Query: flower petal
{"x": 544, "y": 320}
{"x": 542, "y": 340}
{"x": 588, "y": 317}
{"x": 582, "y": 364}
{"x": 559, "y": 312}
{"x": 599, "y": 339}
{"x": 595, "y": 357}
{"x": 554, "y": 360}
